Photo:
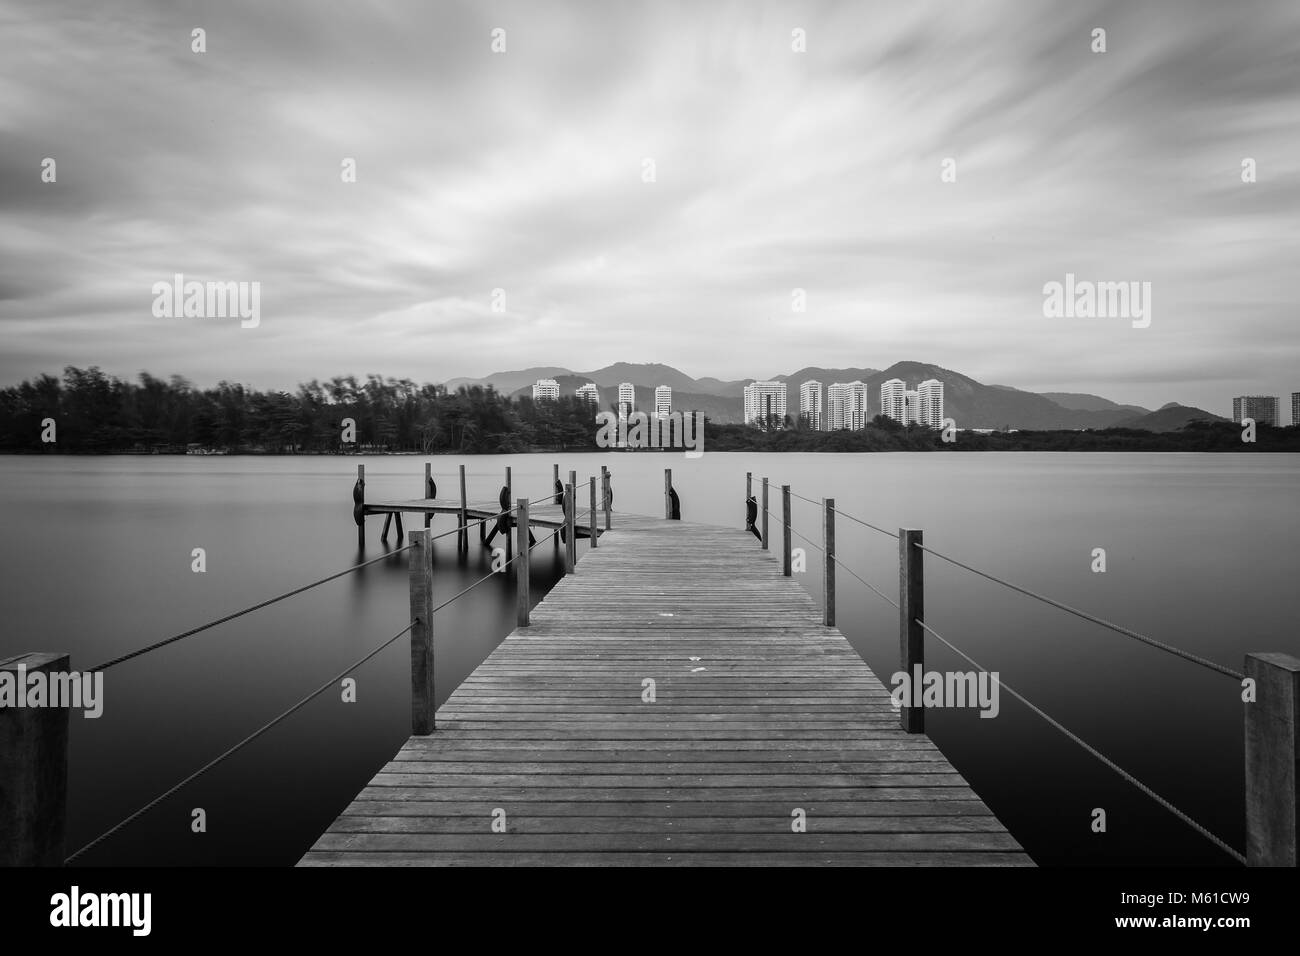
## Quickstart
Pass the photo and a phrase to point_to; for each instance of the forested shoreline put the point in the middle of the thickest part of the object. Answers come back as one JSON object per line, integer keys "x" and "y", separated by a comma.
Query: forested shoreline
{"x": 89, "y": 412}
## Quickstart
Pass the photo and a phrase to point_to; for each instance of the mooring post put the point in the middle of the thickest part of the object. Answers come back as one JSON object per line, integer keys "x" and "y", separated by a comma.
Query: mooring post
{"x": 595, "y": 534}
{"x": 604, "y": 482}
{"x": 555, "y": 479}
{"x": 785, "y": 530}
{"x": 509, "y": 489}
{"x": 749, "y": 493}
{"x": 420, "y": 565}
{"x": 521, "y": 567}
{"x": 428, "y": 491}
{"x": 570, "y": 529}
{"x": 668, "y": 492}
{"x": 359, "y": 505}
{"x": 764, "y": 514}
{"x": 911, "y": 610}
{"x": 1272, "y": 759}
{"x": 462, "y": 539}
{"x": 828, "y": 546}
{"x": 33, "y": 770}
{"x": 573, "y": 515}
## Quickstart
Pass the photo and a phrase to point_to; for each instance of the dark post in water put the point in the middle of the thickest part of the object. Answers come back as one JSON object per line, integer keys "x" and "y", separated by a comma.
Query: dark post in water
{"x": 420, "y": 564}
{"x": 911, "y": 609}
{"x": 33, "y": 773}
{"x": 1272, "y": 759}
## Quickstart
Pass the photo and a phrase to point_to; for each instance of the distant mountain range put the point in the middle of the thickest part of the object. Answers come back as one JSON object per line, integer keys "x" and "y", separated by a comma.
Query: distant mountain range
{"x": 970, "y": 403}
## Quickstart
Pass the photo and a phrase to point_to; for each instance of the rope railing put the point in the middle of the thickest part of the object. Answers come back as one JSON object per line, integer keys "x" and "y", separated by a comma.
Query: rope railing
{"x": 1161, "y": 645}
{"x": 1273, "y": 726}
{"x": 332, "y": 682}
{"x": 1130, "y": 778}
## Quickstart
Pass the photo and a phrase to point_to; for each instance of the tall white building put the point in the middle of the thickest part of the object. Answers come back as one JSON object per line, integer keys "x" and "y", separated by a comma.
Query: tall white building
{"x": 810, "y": 404}
{"x": 663, "y": 401}
{"x": 893, "y": 399}
{"x": 588, "y": 393}
{"x": 626, "y": 402}
{"x": 911, "y": 409}
{"x": 546, "y": 388}
{"x": 764, "y": 399}
{"x": 1262, "y": 408}
{"x": 930, "y": 399}
{"x": 847, "y": 403}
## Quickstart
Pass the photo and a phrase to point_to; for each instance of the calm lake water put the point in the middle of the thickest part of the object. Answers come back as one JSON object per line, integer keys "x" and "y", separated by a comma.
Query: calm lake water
{"x": 1201, "y": 553}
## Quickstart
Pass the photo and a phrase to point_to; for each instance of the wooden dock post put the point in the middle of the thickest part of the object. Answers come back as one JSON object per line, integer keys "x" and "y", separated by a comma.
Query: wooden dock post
{"x": 570, "y": 529}
{"x": 604, "y": 483}
{"x": 33, "y": 772}
{"x": 420, "y": 564}
{"x": 668, "y": 493}
{"x": 555, "y": 481}
{"x": 764, "y": 514}
{"x": 828, "y": 546}
{"x": 462, "y": 539}
{"x": 359, "y": 506}
{"x": 595, "y": 533}
{"x": 509, "y": 545}
{"x": 521, "y": 569}
{"x": 428, "y": 491}
{"x": 911, "y": 608}
{"x": 1272, "y": 759}
{"x": 573, "y": 516}
{"x": 749, "y": 493}
{"x": 785, "y": 530}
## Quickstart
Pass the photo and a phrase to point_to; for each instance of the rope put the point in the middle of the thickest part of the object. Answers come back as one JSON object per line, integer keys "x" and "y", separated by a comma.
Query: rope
{"x": 248, "y": 610}
{"x": 247, "y": 740}
{"x": 845, "y": 514}
{"x": 845, "y": 567}
{"x": 1178, "y": 652}
{"x": 1239, "y": 857}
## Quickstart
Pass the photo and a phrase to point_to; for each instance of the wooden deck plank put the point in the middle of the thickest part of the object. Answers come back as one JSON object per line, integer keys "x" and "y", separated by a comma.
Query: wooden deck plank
{"x": 759, "y": 712}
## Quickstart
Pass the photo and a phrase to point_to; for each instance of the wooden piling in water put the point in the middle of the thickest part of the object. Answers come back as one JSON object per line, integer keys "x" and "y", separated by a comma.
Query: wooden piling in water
{"x": 911, "y": 609}
{"x": 749, "y": 493}
{"x": 359, "y": 506}
{"x": 764, "y": 515}
{"x": 462, "y": 539}
{"x": 420, "y": 567}
{"x": 509, "y": 498}
{"x": 668, "y": 493}
{"x": 828, "y": 546}
{"x": 428, "y": 490}
{"x": 522, "y": 597}
{"x": 595, "y": 533}
{"x": 33, "y": 771}
{"x": 1272, "y": 759}
{"x": 604, "y": 482}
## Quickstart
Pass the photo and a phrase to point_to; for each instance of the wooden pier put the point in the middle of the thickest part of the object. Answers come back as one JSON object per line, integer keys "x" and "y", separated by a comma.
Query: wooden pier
{"x": 675, "y": 701}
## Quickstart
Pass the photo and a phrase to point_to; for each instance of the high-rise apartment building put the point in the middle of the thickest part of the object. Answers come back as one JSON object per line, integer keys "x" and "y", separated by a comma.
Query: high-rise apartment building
{"x": 765, "y": 402}
{"x": 1295, "y": 408}
{"x": 663, "y": 401}
{"x": 930, "y": 403}
{"x": 546, "y": 388}
{"x": 848, "y": 405}
{"x": 810, "y": 404}
{"x": 1262, "y": 408}
{"x": 893, "y": 399}
{"x": 588, "y": 393}
{"x": 911, "y": 409}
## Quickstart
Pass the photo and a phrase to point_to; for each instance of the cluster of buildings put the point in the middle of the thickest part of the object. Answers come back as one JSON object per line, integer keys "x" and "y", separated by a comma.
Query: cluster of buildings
{"x": 548, "y": 389}
{"x": 845, "y": 404}
{"x": 1264, "y": 409}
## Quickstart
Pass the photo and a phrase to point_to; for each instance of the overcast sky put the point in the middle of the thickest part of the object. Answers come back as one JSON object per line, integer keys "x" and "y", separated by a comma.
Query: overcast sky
{"x": 774, "y": 170}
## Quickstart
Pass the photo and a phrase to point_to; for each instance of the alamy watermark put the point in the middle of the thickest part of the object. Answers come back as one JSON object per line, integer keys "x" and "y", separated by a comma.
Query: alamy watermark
{"x": 208, "y": 300}
{"x": 946, "y": 689}
{"x": 57, "y": 689}
{"x": 640, "y": 430}
{"x": 1085, "y": 299}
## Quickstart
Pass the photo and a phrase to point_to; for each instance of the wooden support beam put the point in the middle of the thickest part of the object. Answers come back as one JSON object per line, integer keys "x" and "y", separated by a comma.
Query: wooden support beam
{"x": 359, "y": 506}
{"x": 397, "y": 519}
{"x": 388, "y": 523}
{"x": 420, "y": 567}
{"x": 522, "y": 597}
{"x": 763, "y": 515}
{"x": 1272, "y": 759}
{"x": 595, "y": 532}
{"x": 828, "y": 546}
{"x": 668, "y": 492}
{"x": 508, "y": 525}
{"x": 33, "y": 771}
{"x": 911, "y": 609}
{"x": 604, "y": 481}
{"x": 572, "y": 495}
{"x": 749, "y": 493}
